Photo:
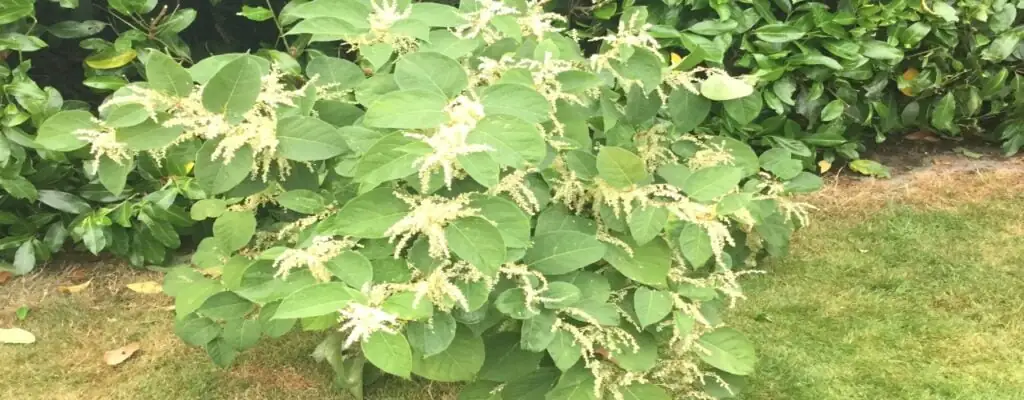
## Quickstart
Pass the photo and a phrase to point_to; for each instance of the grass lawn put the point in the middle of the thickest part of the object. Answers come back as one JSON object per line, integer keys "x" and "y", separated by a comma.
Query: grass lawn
{"x": 905, "y": 289}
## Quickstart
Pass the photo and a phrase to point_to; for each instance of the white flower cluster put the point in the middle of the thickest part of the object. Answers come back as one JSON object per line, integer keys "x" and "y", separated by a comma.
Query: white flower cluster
{"x": 448, "y": 142}
{"x": 429, "y": 216}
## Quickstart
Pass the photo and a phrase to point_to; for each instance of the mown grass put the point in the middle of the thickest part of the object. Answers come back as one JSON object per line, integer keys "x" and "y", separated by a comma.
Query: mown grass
{"x": 918, "y": 297}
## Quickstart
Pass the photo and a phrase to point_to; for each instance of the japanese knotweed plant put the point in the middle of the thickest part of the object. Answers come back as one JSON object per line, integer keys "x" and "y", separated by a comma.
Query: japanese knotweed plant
{"x": 473, "y": 199}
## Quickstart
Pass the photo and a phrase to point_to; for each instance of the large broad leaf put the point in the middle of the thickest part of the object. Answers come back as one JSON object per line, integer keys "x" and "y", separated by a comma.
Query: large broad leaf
{"x": 323, "y": 29}
{"x": 58, "y": 133}
{"x": 695, "y": 244}
{"x": 710, "y": 183}
{"x": 335, "y": 73}
{"x": 648, "y": 265}
{"x": 316, "y": 300}
{"x": 575, "y": 384}
{"x": 644, "y": 66}
{"x": 477, "y": 242}
{"x": 516, "y": 142}
{"x": 433, "y": 72}
{"x": 234, "y": 229}
{"x": 367, "y": 216}
{"x": 562, "y": 252}
{"x": 516, "y": 101}
{"x": 745, "y": 109}
{"x": 391, "y": 157}
{"x": 728, "y": 350}
{"x": 242, "y": 334}
{"x": 196, "y": 331}
{"x": 505, "y": 360}
{"x": 389, "y": 352}
{"x": 148, "y": 135}
{"x": 510, "y": 220}
{"x": 407, "y": 109}
{"x": 651, "y": 306}
{"x": 459, "y": 362}
{"x": 646, "y": 223}
{"x": 166, "y": 75}
{"x": 225, "y": 306}
{"x": 433, "y": 338}
{"x": 564, "y": 350}
{"x": 621, "y": 168}
{"x": 645, "y": 392}
{"x": 302, "y": 138}
{"x": 233, "y": 90}
{"x": 687, "y": 109}
{"x": 216, "y": 176}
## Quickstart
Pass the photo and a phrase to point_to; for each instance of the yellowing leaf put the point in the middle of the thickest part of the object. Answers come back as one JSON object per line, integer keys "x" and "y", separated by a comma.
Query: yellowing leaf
{"x": 74, "y": 288}
{"x": 188, "y": 167}
{"x": 147, "y": 287}
{"x": 213, "y": 272}
{"x": 908, "y": 76}
{"x": 675, "y": 58}
{"x": 110, "y": 59}
{"x": 16, "y": 336}
{"x": 824, "y": 166}
{"x": 117, "y": 356}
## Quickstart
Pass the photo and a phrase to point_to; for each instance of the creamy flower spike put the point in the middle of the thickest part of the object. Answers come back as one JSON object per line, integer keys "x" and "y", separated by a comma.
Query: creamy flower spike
{"x": 315, "y": 257}
{"x": 429, "y": 216}
{"x": 632, "y": 33}
{"x": 103, "y": 143}
{"x": 384, "y": 15}
{"x": 362, "y": 321}
{"x": 479, "y": 21}
{"x": 449, "y": 141}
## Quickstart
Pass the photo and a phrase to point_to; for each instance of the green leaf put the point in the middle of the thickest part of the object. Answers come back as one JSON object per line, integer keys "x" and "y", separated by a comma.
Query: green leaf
{"x": 241, "y": 334}
{"x": 943, "y": 112}
{"x": 64, "y": 201}
{"x": 832, "y": 110}
{"x": 870, "y": 168}
{"x": 644, "y": 392}
{"x": 477, "y": 242}
{"x": 391, "y": 157}
{"x": 207, "y": 208}
{"x": 407, "y": 109}
{"x": 561, "y": 295}
{"x": 216, "y": 176}
{"x": 323, "y": 29}
{"x": 113, "y": 175}
{"x": 233, "y": 90}
{"x": 649, "y": 264}
{"x": 408, "y": 307}
{"x": 166, "y": 75}
{"x": 302, "y": 200}
{"x": 728, "y": 350}
{"x": 538, "y": 332}
{"x": 505, "y": 360}
{"x": 432, "y": 72}
{"x": 225, "y": 306}
{"x": 564, "y": 350}
{"x": 75, "y": 29}
{"x": 646, "y": 223}
{"x": 644, "y": 66}
{"x": 368, "y": 216}
{"x": 515, "y": 101}
{"x": 257, "y": 14}
{"x": 745, "y": 109}
{"x": 20, "y": 188}
{"x": 190, "y": 298}
{"x": 389, "y": 352}
{"x": 721, "y": 87}
{"x": 561, "y": 252}
{"x": 24, "y": 258}
{"x": 234, "y": 229}
{"x": 516, "y": 142}
{"x": 433, "y": 338}
{"x": 651, "y": 306}
{"x": 687, "y": 110}
{"x": 575, "y": 384}
{"x": 879, "y": 50}
{"x": 316, "y": 300}
{"x": 510, "y": 220}
{"x": 221, "y": 352}
{"x": 58, "y": 133}
{"x": 638, "y": 361}
{"x": 695, "y": 244}
{"x": 459, "y": 362}
{"x": 148, "y": 135}
{"x": 713, "y": 182}
{"x": 778, "y": 33}
{"x": 512, "y": 302}
{"x": 481, "y": 167}
{"x": 335, "y": 73}
{"x": 196, "y": 331}
{"x": 437, "y": 15}
{"x": 945, "y": 11}
{"x": 302, "y": 138}
{"x": 621, "y": 168}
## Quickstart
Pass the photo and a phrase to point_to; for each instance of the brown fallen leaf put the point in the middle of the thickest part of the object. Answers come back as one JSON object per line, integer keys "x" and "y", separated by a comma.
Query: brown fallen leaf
{"x": 5, "y": 276}
{"x": 147, "y": 287}
{"x": 117, "y": 356}
{"x": 77, "y": 275}
{"x": 16, "y": 336}
{"x": 923, "y": 136}
{"x": 74, "y": 288}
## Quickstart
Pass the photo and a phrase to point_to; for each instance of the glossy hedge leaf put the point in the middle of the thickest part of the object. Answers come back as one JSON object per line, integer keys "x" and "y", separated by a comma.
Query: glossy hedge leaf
{"x": 166, "y": 75}
{"x": 832, "y": 110}
{"x": 515, "y": 101}
{"x": 432, "y": 72}
{"x": 389, "y": 352}
{"x": 648, "y": 265}
{"x": 728, "y": 350}
{"x": 233, "y": 90}
{"x": 621, "y": 168}
{"x": 687, "y": 109}
{"x": 20, "y": 188}
{"x": 234, "y": 229}
{"x": 478, "y": 242}
{"x": 459, "y": 362}
{"x": 433, "y": 338}
{"x": 303, "y": 138}
{"x": 64, "y": 201}
{"x": 113, "y": 175}
{"x": 367, "y": 216}
{"x": 651, "y": 306}
{"x": 879, "y": 50}
{"x": 215, "y": 176}
{"x": 943, "y": 112}
{"x": 779, "y": 33}
{"x": 316, "y": 300}
{"x": 24, "y": 258}
{"x": 407, "y": 109}
{"x": 710, "y": 183}
{"x": 562, "y": 252}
